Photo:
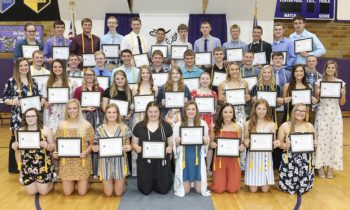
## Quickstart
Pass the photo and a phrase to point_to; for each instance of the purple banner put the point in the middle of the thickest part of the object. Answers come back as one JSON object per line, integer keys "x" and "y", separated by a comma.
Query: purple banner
{"x": 310, "y": 9}
{"x": 10, "y": 34}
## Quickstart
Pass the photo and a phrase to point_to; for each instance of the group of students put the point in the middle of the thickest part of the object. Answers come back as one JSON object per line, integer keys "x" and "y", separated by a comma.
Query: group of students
{"x": 192, "y": 164}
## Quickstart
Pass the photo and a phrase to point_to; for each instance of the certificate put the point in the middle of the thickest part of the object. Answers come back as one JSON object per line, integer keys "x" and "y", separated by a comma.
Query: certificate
{"x": 203, "y": 58}
{"x": 259, "y": 58}
{"x": 110, "y": 147}
{"x": 284, "y": 57}
{"x": 235, "y": 96}
{"x": 162, "y": 48}
{"x": 28, "y": 139}
{"x": 177, "y": 51}
{"x": 111, "y": 50}
{"x": 218, "y": 78}
{"x": 153, "y": 150}
{"x": 205, "y": 104}
{"x": 303, "y": 45}
{"x": 27, "y": 50}
{"x": 103, "y": 81}
{"x": 89, "y": 60}
{"x": 302, "y": 142}
{"x": 301, "y": 96}
{"x": 227, "y": 147}
{"x": 77, "y": 80}
{"x": 60, "y": 52}
{"x": 90, "y": 99}
{"x": 191, "y": 135}
{"x": 192, "y": 83}
{"x": 141, "y": 59}
{"x": 252, "y": 80}
{"x": 174, "y": 99}
{"x": 261, "y": 142}
{"x": 159, "y": 79}
{"x": 41, "y": 80}
{"x": 330, "y": 89}
{"x": 58, "y": 95}
{"x": 123, "y": 106}
{"x": 69, "y": 147}
{"x": 234, "y": 54}
{"x": 269, "y": 96}
{"x": 141, "y": 102}
{"x": 30, "y": 102}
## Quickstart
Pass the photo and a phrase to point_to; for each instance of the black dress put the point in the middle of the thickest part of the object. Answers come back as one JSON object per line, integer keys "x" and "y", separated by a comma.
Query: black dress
{"x": 153, "y": 175}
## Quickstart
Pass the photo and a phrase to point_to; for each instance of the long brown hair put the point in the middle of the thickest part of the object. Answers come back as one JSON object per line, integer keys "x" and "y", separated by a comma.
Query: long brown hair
{"x": 53, "y": 78}
{"x": 150, "y": 79}
{"x": 329, "y": 62}
{"x": 261, "y": 79}
{"x": 95, "y": 85}
{"x": 146, "y": 118}
{"x": 219, "y": 122}
{"x": 253, "y": 121}
{"x": 16, "y": 74}
{"x": 292, "y": 118}
{"x": 228, "y": 76}
{"x": 119, "y": 118}
{"x": 293, "y": 82}
{"x": 170, "y": 83}
{"x": 113, "y": 91}
{"x": 184, "y": 119}
{"x": 39, "y": 122}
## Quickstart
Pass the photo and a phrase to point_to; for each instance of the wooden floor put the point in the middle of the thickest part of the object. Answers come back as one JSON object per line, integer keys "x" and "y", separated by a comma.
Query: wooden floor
{"x": 326, "y": 194}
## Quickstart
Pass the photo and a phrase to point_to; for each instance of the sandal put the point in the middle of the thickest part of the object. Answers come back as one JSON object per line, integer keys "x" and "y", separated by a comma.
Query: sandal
{"x": 321, "y": 173}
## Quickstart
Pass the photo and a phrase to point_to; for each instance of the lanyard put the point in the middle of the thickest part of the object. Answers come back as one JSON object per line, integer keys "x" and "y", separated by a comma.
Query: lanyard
{"x": 92, "y": 42}
{"x": 244, "y": 71}
{"x": 210, "y": 44}
{"x": 65, "y": 42}
{"x": 261, "y": 46}
{"x": 20, "y": 91}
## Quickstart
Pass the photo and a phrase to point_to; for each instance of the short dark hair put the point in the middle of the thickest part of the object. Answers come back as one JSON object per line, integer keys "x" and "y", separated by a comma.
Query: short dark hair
{"x": 157, "y": 52}
{"x": 277, "y": 54}
{"x": 29, "y": 24}
{"x": 204, "y": 22}
{"x": 248, "y": 51}
{"x": 58, "y": 22}
{"x": 135, "y": 19}
{"x": 299, "y": 17}
{"x": 189, "y": 53}
{"x": 125, "y": 51}
{"x": 258, "y": 27}
{"x": 72, "y": 55}
{"x": 160, "y": 29}
{"x": 86, "y": 20}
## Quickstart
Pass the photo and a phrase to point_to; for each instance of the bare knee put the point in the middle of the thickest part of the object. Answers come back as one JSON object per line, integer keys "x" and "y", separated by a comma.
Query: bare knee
{"x": 265, "y": 189}
{"x": 108, "y": 193}
{"x": 119, "y": 193}
{"x": 253, "y": 189}
{"x": 68, "y": 192}
{"x": 83, "y": 191}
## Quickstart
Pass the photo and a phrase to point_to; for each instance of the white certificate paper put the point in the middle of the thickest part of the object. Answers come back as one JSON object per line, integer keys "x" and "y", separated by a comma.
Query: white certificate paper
{"x": 330, "y": 89}
{"x": 28, "y": 139}
{"x": 103, "y": 82}
{"x": 303, "y": 45}
{"x": 111, "y": 50}
{"x": 205, "y": 104}
{"x": 235, "y": 96}
{"x": 58, "y": 95}
{"x": 77, "y": 80}
{"x": 69, "y": 147}
{"x": 141, "y": 59}
{"x": 141, "y": 102}
{"x": 261, "y": 142}
{"x": 90, "y": 99}
{"x": 177, "y": 51}
{"x": 303, "y": 142}
{"x": 191, "y": 135}
{"x": 253, "y": 80}
{"x": 174, "y": 99}
{"x": 259, "y": 58}
{"x": 27, "y": 50}
{"x": 123, "y": 106}
{"x": 234, "y": 54}
{"x": 203, "y": 58}
{"x": 41, "y": 80}
{"x": 228, "y": 147}
{"x": 269, "y": 96}
{"x": 30, "y": 102}
{"x": 192, "y": 83}
{"x": 159, "y": 79}
{"x": 301, "y": 96}
{"x": 218, "y": 78}
{"x": 110, "y": 147}
{"x": 162, "y": 48}
{"x": 153, "y": 150}
{"x": 89, "y": 60}
{"x": 60, "y": 52}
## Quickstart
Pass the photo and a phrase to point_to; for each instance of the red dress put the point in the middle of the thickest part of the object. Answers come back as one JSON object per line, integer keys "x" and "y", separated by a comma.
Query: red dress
{"x": 208, "y": 118}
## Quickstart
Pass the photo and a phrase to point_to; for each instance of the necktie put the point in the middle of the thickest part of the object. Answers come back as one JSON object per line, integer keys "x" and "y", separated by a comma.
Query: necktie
{"x": 100, "y": 73}
{"x": 113, "y": 38}
{"x": 205, "y": 45}
{"x": 139, "y": 43}
{"x": 277, "y": 78}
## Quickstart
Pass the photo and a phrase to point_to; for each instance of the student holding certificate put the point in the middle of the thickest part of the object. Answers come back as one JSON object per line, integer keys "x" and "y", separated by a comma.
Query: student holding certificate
{"x": 190, "y": 164}
{"x": 296, "y": 174}
{"x": 218, "y": 66}
{"x": 113, "y": 170}
{"x": 329, "y": 123}
{"x": 35, "y": 164}
{"x": 153, "y": 174}
{"x": 19, "y": 85}
{"x": 75, "y": 172}
{"x": 204, "y": 90}
{"x": 259, "y": 165}
{"x": 226, "y": 170}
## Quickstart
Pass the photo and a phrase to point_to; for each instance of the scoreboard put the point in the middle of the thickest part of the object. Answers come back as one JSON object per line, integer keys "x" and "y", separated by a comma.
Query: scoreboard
{"x": 310, "y": 9}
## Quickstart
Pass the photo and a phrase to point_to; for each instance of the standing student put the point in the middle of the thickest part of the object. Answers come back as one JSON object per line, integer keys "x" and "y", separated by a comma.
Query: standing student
{"x": 182, "y": 31}
{"x": 258, "y": 45}
{"x": 218, "y": 66}
{"x": 131, "y": 72}
{"x": 259, "y": 165}
{"x": 100, "y": 68}
{"x": 161, "y": 40}
{"x": 283, "y": 44}
{"x": 73, "y": 66}
{"x": 190, "y": 164}
{"x": 157, "y": 65}
{"x": 30, "y": 33}
{"x": 226, "y": 170}
{"x": 37, "y": 69}
{"x": 329, "y": 125}
{"x": 113, "y": 170}
{"x": 190, "y": 70}
{"x": 36, "y": 166}
{"x": 235, "y": 41}
{"x": 247, "y": 69}
{"x": 153, "y": 175}
{"x": 75, "y": 172}
{"x": 206, "y": 43}
{"x": 134, "y": 41}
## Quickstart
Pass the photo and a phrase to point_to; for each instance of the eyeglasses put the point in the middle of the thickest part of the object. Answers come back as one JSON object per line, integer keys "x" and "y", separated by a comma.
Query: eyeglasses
{"x": 300, "y": 111}
{"x": 89, "y": 75}
{"x": 31, "y": 116}
{"x": 31, "y": 31}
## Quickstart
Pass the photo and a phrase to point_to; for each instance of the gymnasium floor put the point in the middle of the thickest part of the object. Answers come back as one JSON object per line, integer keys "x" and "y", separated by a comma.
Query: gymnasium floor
{"x": 327, "y": 193}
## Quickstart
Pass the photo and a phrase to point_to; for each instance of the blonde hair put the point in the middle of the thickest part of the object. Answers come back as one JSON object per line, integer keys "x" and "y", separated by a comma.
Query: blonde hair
{"x": 228, "y": 76}
{"x": 113, "y": 91}
{"x": 329, "y": 62}
{"x": 119, "y": 118}
{"x": 150, "y": 79}
{"x": 292, "y": 118}
{"x": 271, "y": 81}
{"x": 95, "y": 86}
{"x": 81, "y": 120}
{"x": 253, "y": 122}
{"x": 99, "y": 52}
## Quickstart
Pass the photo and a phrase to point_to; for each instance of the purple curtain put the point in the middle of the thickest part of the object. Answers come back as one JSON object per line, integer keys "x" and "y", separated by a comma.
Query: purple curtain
{"x": 123, "y": 22}
{"x": 218, "y": 24}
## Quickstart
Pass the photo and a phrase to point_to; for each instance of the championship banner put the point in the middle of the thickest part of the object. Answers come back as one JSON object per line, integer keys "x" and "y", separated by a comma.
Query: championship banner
{"x": 37, "y": 5}
{"x": 5, "y": 5}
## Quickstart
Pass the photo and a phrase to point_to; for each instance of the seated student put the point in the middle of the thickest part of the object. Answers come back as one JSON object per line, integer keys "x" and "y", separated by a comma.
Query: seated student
{"x": 182, "y": 31}
{"x": 258, "y": 45}
{"x": 73, "y": 66}
{"x": 157, "y": 62}
{"x": 132, "y": 73}
{"x": 100, "y": 69}
{"x": 218, "y": 66}
{"x": 30, "y": 32}
{"x": 189, "y": 70}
